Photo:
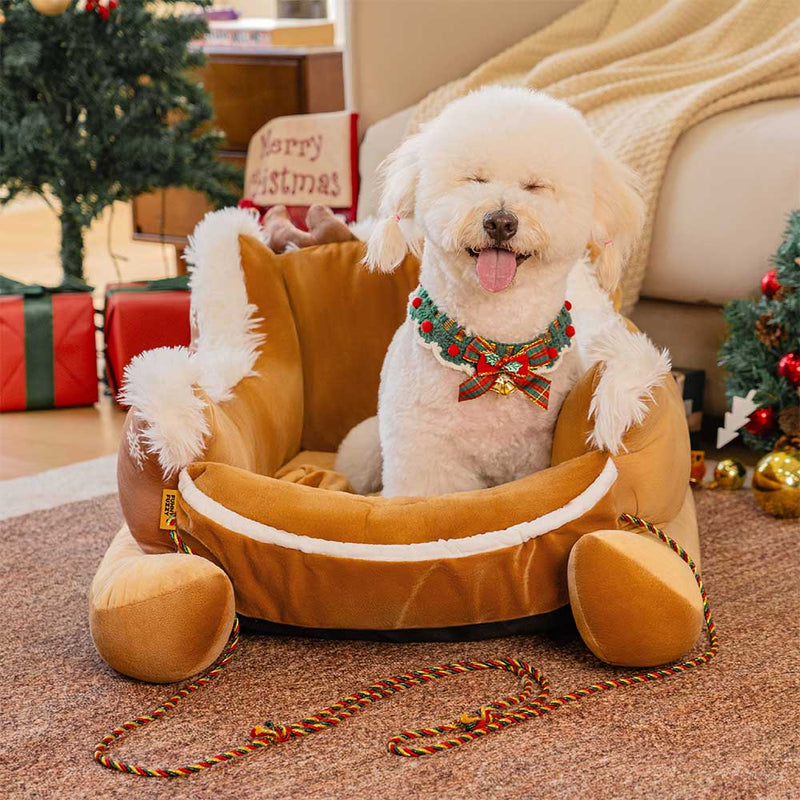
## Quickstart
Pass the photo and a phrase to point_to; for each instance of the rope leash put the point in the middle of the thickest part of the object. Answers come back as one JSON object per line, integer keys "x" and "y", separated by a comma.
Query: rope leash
{"x": 510, "y": 710}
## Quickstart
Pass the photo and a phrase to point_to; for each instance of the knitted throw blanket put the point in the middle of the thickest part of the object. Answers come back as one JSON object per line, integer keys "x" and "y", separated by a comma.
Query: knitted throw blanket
{"x": 644, "y": 71}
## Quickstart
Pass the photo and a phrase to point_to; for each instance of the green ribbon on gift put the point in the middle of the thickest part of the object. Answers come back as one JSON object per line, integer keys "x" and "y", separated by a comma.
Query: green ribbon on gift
{"x": 37, "y": 309}
{"x": 179, "y": 283}
{"x": 40, "y": 384}
{"x": 69, "y": 284}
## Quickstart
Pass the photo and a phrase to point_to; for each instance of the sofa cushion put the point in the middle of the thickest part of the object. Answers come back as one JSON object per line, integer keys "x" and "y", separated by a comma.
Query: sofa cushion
{"x": 729, "y": 184}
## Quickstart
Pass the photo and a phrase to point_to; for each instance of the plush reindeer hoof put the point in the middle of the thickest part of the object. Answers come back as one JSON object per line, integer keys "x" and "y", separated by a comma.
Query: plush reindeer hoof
{"x": 159, "y": 618}
{"x": 635, "y": 602}
{"x": 282, "y": 232}
{"x": 325, "y": 227}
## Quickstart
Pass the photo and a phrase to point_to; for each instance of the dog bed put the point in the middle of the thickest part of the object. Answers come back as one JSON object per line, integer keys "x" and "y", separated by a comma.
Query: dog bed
{"x": 244, "y": 426}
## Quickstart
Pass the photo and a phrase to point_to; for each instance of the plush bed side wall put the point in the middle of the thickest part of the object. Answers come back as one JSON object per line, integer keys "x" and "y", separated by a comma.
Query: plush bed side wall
{"x": 420, "y": 551}
{"x": 161, "y": 385}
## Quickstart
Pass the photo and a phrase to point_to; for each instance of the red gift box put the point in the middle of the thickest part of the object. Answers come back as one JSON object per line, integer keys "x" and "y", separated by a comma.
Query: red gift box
{"x": 48, "y": 357}
{"x": 141, "y": 316}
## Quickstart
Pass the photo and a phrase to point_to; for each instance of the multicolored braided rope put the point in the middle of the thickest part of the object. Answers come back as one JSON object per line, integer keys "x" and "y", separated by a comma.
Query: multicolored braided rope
{"x": 503, "y": 713}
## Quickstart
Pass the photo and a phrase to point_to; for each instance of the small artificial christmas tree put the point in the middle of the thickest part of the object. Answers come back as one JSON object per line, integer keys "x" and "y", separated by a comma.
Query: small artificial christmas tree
{"x": 762, "y": 351}
{"x": 99, "y": 104}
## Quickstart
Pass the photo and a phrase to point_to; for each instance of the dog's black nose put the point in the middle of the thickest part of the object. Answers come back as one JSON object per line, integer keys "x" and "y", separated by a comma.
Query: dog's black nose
{"x": 500, "y": 225}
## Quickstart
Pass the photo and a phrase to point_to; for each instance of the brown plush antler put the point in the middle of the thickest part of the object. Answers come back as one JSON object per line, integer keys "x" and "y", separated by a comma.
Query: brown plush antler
{"x": 326, "y": 227}
{"x": 323, "y": 228}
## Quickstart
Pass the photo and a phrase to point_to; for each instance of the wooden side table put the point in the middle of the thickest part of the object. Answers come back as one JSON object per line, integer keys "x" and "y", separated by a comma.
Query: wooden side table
{"x": 248, "y": 88}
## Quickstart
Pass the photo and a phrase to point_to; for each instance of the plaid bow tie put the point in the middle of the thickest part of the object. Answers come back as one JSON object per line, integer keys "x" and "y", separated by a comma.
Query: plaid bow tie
{"x": 503, "y": 374}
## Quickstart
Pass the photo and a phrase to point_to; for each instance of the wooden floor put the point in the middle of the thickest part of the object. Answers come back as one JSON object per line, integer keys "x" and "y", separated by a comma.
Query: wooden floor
{"x": 32, "y": 441}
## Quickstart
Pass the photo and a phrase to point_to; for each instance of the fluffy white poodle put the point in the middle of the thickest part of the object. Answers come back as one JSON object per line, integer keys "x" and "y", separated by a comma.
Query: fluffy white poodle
{"x": 502, "y": 194}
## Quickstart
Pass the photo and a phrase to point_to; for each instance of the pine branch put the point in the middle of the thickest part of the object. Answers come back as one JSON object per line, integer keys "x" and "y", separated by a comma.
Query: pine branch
{"x": 753, "y": 364}
{"x": 105, "y": 110}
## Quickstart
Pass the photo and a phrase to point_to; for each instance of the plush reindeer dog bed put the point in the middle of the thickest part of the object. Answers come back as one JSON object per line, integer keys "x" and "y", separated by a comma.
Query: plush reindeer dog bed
{"x": 285, "y": 361}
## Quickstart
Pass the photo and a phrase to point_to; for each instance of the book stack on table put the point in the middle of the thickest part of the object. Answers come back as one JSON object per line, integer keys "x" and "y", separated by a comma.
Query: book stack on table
{"x": 252, "y": 33}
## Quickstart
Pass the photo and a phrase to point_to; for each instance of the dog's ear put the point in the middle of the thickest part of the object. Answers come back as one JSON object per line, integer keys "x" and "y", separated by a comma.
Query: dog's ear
{"x": 387, "y": 246}
{"x": 618, "y": 217}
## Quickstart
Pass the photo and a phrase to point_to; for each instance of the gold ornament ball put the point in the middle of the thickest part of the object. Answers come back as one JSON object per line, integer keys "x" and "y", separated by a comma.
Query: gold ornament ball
{"x": 728, "y": 474}
{"x": 51, "y": 8}
{"x": 776, "y": 483}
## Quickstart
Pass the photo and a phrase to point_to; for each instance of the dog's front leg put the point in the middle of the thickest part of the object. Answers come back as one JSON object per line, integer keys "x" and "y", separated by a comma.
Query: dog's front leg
{"x": 422, "y": 441}
{"x": 425, "y": 465}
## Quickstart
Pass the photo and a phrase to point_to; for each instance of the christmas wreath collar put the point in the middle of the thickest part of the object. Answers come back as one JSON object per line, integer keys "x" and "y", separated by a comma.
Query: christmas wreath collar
{"x": 492, "y": 366}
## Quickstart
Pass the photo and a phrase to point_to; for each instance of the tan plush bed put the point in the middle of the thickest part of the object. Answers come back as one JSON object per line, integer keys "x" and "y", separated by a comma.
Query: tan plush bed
{"x": 285, "y": 361}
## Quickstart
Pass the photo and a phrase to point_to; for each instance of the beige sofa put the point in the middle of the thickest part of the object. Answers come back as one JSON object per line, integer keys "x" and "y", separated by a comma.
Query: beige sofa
{"x": 729, "y": 183}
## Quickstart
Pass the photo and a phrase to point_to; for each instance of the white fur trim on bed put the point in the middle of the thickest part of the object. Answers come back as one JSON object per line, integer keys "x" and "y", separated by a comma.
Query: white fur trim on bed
{"x": 160, "y": 388}
{"x": 632, "y": 368}
{"x": 161, "y": 385}
{"x": 135, "y": 448}
{"x": 226, "y": 342}
{"x": 632, "y": 365}
{"x": 419, "y": 551}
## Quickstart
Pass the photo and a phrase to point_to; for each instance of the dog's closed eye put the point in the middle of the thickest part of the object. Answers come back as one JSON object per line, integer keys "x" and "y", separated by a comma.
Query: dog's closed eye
{"x": 476, "y": 179}
{"x": 536, "y": 185}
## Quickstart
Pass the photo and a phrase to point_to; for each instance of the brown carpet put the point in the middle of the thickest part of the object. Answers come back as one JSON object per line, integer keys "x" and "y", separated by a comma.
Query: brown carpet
{"x": 727, "y": 730}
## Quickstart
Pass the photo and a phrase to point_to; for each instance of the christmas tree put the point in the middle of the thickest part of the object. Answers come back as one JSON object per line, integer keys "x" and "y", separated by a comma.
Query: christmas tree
{"x": 762, "y": 351}
{"x": 99, "y": 104}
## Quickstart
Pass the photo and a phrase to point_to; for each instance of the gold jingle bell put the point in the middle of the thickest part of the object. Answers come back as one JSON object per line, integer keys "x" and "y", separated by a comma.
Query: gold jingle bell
{"x": 503, "y": 385}
{"x": 51, "y": 8}
{"x": 776, "y": 482}
{"x": 728, "y": 474}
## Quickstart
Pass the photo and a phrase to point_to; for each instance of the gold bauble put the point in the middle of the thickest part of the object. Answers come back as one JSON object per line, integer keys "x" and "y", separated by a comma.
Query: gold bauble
{"x": 51, "y": 8}
{"x": 728, "y": 474}
{"x": 776, "y": 483}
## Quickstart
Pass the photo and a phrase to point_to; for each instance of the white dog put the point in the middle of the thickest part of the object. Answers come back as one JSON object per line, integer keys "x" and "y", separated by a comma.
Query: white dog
{"x": 506, "y": 188}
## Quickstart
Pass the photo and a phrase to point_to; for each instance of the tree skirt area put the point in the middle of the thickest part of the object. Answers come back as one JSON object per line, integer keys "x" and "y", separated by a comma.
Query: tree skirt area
{"x": 725, "y": 730}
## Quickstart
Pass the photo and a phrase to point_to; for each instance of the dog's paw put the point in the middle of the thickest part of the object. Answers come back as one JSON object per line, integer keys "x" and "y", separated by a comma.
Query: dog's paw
{"x": 633, "y": 367}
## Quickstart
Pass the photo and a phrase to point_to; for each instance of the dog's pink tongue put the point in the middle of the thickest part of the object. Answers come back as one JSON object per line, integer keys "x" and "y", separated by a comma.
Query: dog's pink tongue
{"x": 496, "y": 269}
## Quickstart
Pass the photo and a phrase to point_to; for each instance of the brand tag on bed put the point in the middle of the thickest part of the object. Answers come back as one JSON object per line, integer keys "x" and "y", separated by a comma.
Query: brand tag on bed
{"x": 169, "y": 503}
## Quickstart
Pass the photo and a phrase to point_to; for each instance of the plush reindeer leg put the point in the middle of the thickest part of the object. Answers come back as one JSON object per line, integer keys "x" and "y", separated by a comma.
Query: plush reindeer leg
{"x": 281, "y": 231}
{"x": 325, "y": 227}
